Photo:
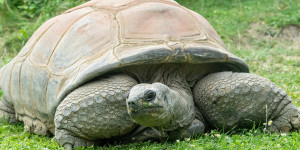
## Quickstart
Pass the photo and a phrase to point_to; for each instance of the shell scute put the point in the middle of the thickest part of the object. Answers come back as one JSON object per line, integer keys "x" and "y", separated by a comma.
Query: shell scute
{"x": 46, "y": 45}
{"x": 26, "y": 50}
{"x": 40, "y": 77}
{"x": 129, "y": 54}
{"x": 25, "y": 86}
{"x": 15, "y": 90}
{"x": 157, "y": 22}
{"x": 92, "y": 35}
{"x": 207, "y": 28}
{"x": 52, "y": 91}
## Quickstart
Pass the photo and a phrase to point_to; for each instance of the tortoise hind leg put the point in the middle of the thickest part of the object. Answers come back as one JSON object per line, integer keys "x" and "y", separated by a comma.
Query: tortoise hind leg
{"x": 7, "y": 112}
{"x": 229, "y": 99}
{"x": 96, "y": 110}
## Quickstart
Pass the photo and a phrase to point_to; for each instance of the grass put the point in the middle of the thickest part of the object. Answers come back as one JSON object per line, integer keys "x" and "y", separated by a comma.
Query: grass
{"x": 14, "y": 137}
{"x": 250, "y": 29}
{"x": 23, "y": 18}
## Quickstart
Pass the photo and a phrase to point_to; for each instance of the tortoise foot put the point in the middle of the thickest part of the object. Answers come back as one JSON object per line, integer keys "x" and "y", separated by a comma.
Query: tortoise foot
{"x": 286, "y": 121}
{"x": 195, "y": 128}
{"x": 34, "y": 126}
{"x": 7, "y": 113}
{"x": 142, "y": 134}
{"x": 69, "y": 141}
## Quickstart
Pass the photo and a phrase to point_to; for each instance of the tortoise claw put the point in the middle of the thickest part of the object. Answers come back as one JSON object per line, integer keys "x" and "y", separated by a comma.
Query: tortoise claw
{"x": 68, "y": 146}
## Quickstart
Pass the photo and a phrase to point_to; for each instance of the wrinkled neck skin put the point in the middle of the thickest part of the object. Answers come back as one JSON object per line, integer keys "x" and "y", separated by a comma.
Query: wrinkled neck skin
{"x": 182, "y": 106}
{"x": 181, "y": 109}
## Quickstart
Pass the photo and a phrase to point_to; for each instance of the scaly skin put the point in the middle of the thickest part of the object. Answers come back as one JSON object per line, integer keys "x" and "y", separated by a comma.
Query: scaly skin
{"x": 231, "y": 99}
{"x": 94, "y": 111}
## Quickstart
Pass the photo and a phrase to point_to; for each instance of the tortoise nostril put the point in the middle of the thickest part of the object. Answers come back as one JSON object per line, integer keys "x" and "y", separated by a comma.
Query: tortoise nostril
{"x": 131, "y": 103}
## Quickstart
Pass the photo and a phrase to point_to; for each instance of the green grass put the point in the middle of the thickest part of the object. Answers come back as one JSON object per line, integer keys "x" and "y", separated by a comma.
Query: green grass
{"x": 14, "y": 137}
{"x": 261, "y": 47}
{"x": 24, "y": 17}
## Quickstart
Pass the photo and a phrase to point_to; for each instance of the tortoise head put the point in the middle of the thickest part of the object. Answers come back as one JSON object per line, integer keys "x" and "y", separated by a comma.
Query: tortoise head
{"x": 157, "y": 105}
{"x": 149, "y": 105}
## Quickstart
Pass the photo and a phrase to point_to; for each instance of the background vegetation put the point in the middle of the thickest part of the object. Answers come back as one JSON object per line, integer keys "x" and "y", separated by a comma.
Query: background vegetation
{"x": 265, "y": 33}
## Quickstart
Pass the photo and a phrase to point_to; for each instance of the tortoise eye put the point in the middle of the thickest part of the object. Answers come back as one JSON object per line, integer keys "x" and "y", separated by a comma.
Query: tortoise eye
{"x": 149, "y": 95}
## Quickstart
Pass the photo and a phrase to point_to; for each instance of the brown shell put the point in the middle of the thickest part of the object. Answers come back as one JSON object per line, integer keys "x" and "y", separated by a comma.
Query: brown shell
{"x": 103, "y": 35}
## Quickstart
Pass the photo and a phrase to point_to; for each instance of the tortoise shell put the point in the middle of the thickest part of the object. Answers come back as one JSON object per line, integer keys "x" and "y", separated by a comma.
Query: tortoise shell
{"x": 99, "y": 36}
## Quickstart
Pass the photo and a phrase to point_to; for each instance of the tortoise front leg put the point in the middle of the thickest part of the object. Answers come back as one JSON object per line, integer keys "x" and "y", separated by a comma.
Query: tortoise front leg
{"x": 7, "y": 112}
{"x": 96, "y": 110}
{"x": 228, "y": 99}
{"x": 142, "y": 134}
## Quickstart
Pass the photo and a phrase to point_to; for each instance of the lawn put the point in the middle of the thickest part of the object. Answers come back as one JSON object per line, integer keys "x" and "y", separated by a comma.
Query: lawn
{"x": 262, "y": 32}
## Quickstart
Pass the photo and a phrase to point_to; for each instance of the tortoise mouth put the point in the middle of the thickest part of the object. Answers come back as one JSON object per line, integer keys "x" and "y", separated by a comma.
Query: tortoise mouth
{"x": 148, "y": 109}
{"x": 147, "y": 116}
{"x": 145, "y": 111}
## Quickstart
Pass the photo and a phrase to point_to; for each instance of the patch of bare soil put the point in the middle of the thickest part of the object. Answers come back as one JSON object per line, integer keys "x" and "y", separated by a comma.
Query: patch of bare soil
{"x": 288, "y": 36}
{"x": 259, "y": 30}
{"x": 291, "y": 33}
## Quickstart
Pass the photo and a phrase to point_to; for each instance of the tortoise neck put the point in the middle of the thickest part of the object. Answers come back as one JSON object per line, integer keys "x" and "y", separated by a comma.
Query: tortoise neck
{"x": 182, "y": 105}
{"x": 183, "y": 108}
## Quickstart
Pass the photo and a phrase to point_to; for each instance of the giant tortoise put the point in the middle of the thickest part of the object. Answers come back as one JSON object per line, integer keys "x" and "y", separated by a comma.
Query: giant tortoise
{"x": 135, "y": 70}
